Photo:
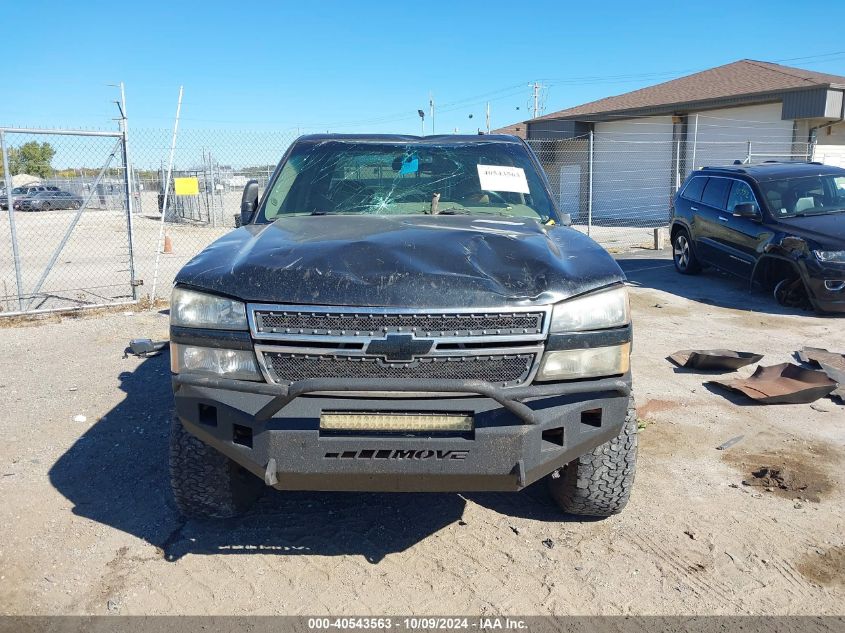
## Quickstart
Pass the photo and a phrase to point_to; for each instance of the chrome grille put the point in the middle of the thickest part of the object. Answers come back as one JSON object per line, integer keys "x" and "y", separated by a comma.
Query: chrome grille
{"x": 505, "y": 369}
{"x": 375, "y": 324}
{"x": 497, "y": 345}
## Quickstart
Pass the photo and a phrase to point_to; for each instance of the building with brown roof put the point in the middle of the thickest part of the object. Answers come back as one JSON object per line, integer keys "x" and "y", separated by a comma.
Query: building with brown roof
{"x": 646, "y": 141}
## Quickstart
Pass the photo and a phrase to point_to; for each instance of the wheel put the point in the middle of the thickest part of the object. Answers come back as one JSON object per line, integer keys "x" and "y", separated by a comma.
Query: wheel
{"x": 685, "y": 260}
{"x": 205, "y": 483}
{"x": 75, "y": 205}
{"x": 45, "y": 206}
{"x": 599, "y": 483}
{"x": 791, "y": 293}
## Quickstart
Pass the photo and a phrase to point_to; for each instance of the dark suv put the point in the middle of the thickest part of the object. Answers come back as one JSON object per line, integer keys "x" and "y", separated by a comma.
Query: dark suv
{"x": 780, "y": 225}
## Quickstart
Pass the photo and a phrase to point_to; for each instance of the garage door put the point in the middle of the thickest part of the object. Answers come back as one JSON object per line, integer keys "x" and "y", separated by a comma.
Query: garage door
{"x": 632, "y": 172}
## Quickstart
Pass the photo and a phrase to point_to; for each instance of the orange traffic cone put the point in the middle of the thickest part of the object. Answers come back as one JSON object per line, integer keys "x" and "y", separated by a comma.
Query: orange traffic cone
{"x": 168, "y": 245}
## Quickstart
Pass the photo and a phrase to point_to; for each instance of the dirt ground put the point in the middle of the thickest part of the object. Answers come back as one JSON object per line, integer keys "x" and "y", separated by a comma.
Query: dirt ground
{"x": 87, "y": 527}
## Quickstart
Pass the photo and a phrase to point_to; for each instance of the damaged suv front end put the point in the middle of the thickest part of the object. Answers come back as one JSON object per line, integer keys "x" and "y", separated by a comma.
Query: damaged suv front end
{"x": 403, "y": 314}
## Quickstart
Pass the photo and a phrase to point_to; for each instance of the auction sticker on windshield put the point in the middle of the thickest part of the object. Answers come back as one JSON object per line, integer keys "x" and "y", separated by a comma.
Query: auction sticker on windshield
{"x": 502, "y": 178}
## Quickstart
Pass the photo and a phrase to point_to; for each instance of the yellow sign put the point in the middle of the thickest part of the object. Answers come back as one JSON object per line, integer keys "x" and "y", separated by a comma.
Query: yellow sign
{"x": 186, "y": 186}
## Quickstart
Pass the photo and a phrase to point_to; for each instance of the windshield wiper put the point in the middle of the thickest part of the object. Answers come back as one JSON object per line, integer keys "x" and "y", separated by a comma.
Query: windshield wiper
{"x": 317, "y": 212}
{"x": 804, "y": 214}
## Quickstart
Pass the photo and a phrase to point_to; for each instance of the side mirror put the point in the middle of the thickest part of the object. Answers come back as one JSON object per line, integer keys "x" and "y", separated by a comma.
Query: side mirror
{"x": 747, "y": 210}
{"x": 249, "y": 202}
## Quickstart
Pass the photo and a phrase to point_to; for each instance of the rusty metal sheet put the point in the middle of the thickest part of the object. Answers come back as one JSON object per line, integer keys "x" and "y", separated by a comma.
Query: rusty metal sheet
{"x": 713, "y": 359}
{"x": 782, "y": 384}
{"x": 816, "y": 357}
{"x": 838, "y": 375}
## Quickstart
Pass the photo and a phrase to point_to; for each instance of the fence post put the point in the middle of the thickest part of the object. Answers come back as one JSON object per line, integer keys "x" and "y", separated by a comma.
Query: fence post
{"x": 590, "y": 189}
{"x": 7, "y": 176}
{"x": 160, "y": 242}
{"x": 695, "y": 142}
{"x": 677, "y": 165}
{"x": 748, "y": 153}
{"x": 127, "y": 172}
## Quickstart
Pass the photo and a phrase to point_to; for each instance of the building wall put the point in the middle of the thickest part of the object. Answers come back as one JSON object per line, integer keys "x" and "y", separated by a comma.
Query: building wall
{"x": 566, "y": 163}
{"x": 724, "y": 135}
{"x": 830, "y": 146}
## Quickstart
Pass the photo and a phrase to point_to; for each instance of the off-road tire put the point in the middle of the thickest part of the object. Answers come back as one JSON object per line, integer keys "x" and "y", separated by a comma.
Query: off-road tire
{"x": 205, "y": 483}
{"x": 683, "y": 255}
{"x": 599, "y": 483}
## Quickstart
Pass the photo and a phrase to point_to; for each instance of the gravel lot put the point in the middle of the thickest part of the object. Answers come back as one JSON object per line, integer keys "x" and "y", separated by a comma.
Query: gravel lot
{"x": 87, "y": 526}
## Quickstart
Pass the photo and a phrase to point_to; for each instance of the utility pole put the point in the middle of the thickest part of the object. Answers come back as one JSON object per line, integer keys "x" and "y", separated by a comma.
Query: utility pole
{"x": 431, "y": 109}
{"x": 488, "y": 117}
{"x": 536, "y": 95}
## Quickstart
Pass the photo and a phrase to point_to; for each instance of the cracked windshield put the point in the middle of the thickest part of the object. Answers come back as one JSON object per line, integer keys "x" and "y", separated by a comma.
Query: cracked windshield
{"x": 485, "y": 178}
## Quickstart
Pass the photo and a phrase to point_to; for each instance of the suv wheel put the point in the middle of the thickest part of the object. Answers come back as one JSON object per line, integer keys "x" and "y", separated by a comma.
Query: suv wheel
{"x": 599, "y": 483}
{"x": 685, "y": 260}
{"x": 206, "y": 483}
{"x": 791, "y": 293}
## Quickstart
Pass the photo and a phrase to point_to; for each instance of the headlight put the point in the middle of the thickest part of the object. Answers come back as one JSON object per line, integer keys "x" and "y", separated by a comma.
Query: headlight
{"x": 597, "y": 311}
{"x": 836, "y": 257}
{"x": 585, "y": 363}
{"x": 237, "y": 364}
{"x": 190, "y": 308}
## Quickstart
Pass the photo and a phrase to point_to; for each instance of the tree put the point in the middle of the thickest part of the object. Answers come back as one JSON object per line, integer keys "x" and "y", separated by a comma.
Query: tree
{"x": 32, "y": 158}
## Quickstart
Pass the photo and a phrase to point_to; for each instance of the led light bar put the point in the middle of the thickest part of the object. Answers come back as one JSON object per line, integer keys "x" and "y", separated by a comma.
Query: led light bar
{"x": 395, "y": 422}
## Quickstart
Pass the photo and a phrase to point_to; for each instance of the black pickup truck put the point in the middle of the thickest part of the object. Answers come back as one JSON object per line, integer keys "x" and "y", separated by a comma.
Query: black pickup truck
{"x": 401, "y": 313}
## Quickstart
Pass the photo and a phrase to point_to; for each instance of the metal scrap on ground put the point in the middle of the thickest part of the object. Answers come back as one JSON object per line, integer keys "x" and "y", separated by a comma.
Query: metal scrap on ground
{"x": 146, "y": 347}
{"x": 713, "y": 359}
{"x": 834, "y": 373}
{"x": 831, "y": 363}
{"x": 816, "y": 356}
{"x": 782, "y": 384}
{"x": 731, "y": 442}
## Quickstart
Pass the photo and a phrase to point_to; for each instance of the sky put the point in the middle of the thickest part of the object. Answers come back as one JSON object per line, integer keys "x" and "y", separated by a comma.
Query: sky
{"x": 369, "y": 66}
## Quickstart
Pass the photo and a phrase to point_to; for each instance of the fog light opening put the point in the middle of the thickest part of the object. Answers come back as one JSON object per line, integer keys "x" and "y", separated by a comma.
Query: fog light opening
{"x": 242, "y": 435}
{"x": 553, "y": 436}
{"x": 834, "y": 285}
{"x": 591, "y": 417}
{"x": 207, "y": 414}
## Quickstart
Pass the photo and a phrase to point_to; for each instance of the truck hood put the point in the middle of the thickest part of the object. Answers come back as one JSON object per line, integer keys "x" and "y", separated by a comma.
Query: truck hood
{"x": 402, "y": 261}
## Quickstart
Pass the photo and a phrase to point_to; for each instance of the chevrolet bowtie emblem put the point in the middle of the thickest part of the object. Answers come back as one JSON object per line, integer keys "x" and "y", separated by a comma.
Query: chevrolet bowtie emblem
{"x": 395, "y": 347}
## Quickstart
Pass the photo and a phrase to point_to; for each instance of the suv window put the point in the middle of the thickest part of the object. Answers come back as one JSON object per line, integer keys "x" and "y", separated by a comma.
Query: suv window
{"x": 716, "y": 192}
{"x": 694, "y": 188}
{"x": 740, "y": 194}
{"x": 805, "y": 195}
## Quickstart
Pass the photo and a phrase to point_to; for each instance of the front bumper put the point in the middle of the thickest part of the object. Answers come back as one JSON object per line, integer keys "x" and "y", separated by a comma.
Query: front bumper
{"x": 822, "y": 298}
{"x": 520, "y": 434}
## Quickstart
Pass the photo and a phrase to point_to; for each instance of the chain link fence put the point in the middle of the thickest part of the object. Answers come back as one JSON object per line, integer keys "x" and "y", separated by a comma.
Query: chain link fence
{"x": 65, "y": 231}
{"x": 618, "y": 188}
{"x": 99, "y": 246}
